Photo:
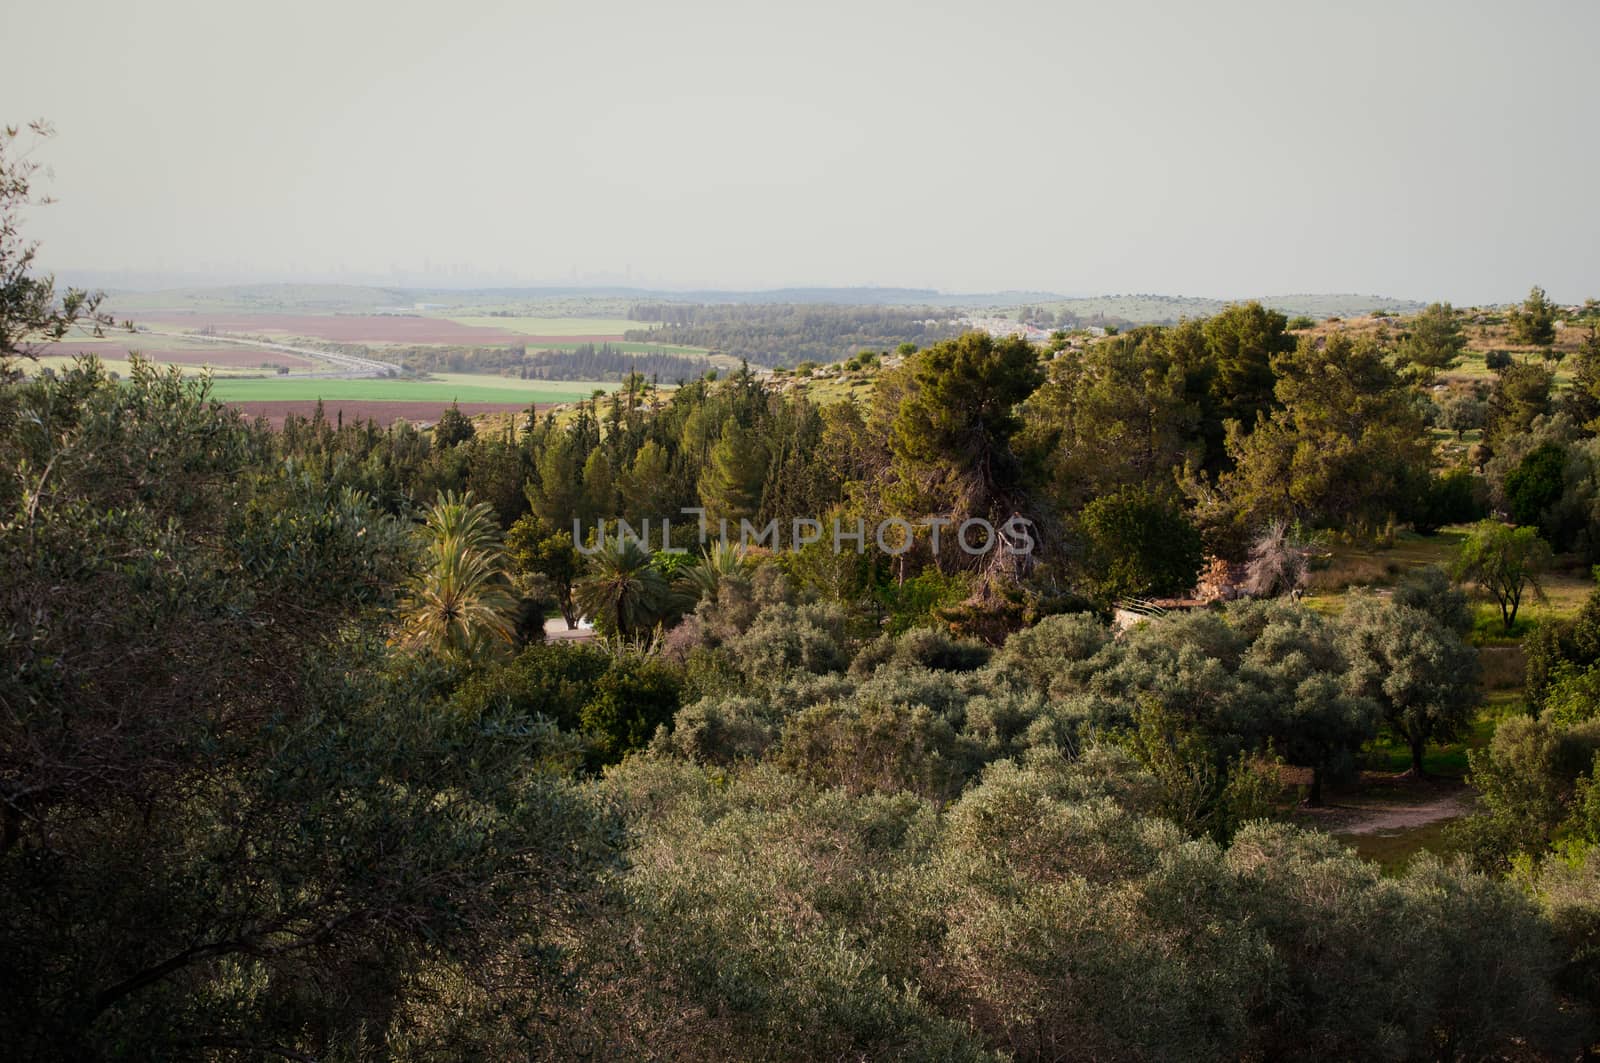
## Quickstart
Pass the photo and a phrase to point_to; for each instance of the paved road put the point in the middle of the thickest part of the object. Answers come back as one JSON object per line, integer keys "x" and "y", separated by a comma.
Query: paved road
{"x": 348, "y": 364}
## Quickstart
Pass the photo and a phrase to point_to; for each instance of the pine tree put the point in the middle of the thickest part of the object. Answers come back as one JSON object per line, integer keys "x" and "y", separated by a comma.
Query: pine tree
{"x": 730, "y": 487}
{"x": 1533, "y": 324}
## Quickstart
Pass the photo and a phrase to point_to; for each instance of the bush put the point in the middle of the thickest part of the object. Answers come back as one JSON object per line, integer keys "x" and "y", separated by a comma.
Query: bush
{"x": 787, "y": 638}
{"x": 634, "y": 697}
{"x": 922, "y": 647}
{"x": 1454, "y": 497}
{"x": 1535, "y": 485}
{"x": 917, "y": 601}
{"x": 1138, "y": 544}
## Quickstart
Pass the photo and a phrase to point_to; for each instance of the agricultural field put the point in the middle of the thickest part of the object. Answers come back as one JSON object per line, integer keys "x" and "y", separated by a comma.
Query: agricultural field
{"x": 193, "y": 354}
{"x": 386, "y": 400}
{"x": 572, "y": 329}
{"x": 336, "y": 328}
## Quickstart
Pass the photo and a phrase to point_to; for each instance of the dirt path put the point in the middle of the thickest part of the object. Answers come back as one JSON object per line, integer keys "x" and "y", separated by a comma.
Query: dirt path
{"x": 1391, "y": 805}
{"x": 1396, "y": 818}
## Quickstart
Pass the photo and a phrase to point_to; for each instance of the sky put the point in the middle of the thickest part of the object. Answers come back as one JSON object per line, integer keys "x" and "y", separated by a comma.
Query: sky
{"x": 1429, "y": 150}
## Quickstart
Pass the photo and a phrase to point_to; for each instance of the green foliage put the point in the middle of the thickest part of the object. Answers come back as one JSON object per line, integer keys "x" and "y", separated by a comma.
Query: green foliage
{"x": 730, "y": 489}
{"x": 1430, "y": 590}
{"x": 945, "y": 932}
{"x": 236, "y": 820}
{"x": 1245, "y": 341}
{"x": 1126, "y": 411}
{"x": 1505, "y": 563}
{"x": 1140, "y": 545}
{"x": 1413, "y": 664}
{"x": 453, "y": 428}
{"x": 958, "y": 416}
{"x": 787, "y": 638}
{"x": 1524, "y": 780}
{"x": 1462, "y": 411}
{"x": 917, "y": 602}
{"x": 921, "y": 648}
{"x": 1203, "y": 793}
{"x": 622, "y": 591}
{"x": 1520, "y": 396}
{"x": 460, "y": 604}
{"x": 1534, "y": 322}
{"x": 1434, "y": 340}
{"x": 631, "y": 699}
{"x": 1457, "y": 496}
{"x": 1582, "y": 399}
{"x": 1536, "y": 484}
{"x": 1348, "y": 446}
{"x": 543, "y": 563}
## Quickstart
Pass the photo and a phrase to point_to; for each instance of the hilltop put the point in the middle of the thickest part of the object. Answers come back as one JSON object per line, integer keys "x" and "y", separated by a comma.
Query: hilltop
{"x": 1135, "y": 309}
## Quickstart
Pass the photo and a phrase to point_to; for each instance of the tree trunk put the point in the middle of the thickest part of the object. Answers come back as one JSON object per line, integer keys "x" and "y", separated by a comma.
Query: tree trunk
{"x": 1316, "y": 787}
{"x": 1417, "y": 746}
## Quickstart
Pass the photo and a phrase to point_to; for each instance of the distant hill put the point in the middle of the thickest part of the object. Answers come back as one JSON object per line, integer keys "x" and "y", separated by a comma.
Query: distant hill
{"x": 1169, "y": 309}
{"x": 337, "y": 298}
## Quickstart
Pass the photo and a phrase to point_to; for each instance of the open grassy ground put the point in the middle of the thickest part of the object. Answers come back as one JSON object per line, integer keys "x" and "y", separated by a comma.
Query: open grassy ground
{"x": 843, "y": 387}
{"x": 441, "y": 387}
{"x": 1349, "y": 565}
{"x": 1388, "y": 816}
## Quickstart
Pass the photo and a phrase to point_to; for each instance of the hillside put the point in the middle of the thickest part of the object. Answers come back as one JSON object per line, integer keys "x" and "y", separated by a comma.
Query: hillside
{"x": 1169, "y": 309}
{"x": 337, "y": 298}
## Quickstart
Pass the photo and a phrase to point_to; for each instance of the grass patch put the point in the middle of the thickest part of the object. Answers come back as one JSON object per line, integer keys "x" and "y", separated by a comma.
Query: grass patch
{"x": 1392, "y": 852}
{"x": 1387, "y": 753}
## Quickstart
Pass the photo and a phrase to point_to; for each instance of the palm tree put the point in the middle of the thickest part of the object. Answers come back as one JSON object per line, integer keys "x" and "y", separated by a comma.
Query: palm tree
{"x": 623, "y": 592}
{"x": 704, "y": 578}
{"x": 460, "y": 604}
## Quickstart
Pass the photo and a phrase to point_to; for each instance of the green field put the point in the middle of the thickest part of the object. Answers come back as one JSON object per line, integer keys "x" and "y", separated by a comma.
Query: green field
{"x": 552, "y": 326}
{"x": 441, "y": 387}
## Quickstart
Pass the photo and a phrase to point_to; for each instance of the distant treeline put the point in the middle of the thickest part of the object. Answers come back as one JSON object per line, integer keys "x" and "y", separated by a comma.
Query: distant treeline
{"x": 785, "y": 335}
{"x": 605, "y": 362}
{"x": 585, "y": 362}
{"x": 459, "y": 359}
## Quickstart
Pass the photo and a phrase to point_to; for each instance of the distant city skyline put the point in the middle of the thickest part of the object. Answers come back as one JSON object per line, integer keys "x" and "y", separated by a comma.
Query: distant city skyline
{"x": 1424, "y": 150}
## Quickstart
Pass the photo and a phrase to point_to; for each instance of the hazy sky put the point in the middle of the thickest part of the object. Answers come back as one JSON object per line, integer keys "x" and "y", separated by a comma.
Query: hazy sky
{"x": 1431, "y": 150}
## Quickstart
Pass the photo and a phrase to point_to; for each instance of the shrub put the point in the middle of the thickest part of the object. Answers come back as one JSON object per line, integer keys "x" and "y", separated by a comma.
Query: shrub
{"x": 1535, "y": 485}
{"x": 1138, "y": 544}
{"x": 1454, "y": 497}
{"x": 922, "y": 647}
{"x": 787, "y": 638}
{"x": 916, "y": 602}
